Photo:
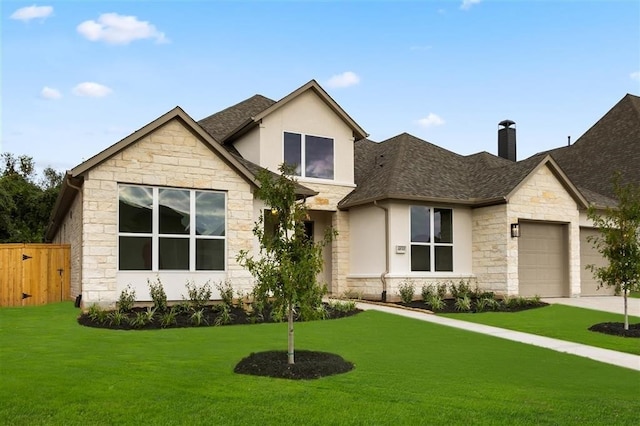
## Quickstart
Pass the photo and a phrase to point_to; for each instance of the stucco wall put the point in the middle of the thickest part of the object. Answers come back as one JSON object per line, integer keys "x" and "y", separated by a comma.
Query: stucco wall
{"x": 368, "y": 250}
{"x": 306, "y": 114}
{"x": 173, "y": 157}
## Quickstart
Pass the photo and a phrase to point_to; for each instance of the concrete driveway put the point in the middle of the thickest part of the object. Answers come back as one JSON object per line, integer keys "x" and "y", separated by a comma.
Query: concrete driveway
{"x": 600, "y": 303}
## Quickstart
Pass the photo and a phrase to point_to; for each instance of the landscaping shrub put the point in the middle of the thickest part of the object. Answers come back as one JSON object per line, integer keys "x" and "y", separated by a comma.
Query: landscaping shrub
{"x": 127, "y": 299}
{"x": 158, "y": 295}
{"x": 406, "y": 290}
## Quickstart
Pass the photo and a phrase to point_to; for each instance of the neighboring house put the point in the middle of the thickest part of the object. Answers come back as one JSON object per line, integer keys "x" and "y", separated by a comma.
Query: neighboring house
{"x": 175, "y": 200}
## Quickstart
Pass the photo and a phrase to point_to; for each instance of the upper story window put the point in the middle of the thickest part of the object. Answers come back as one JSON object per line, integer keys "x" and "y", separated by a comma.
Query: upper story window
{"x": 312, "y": 156}
{"x": 431, "y": 239}
{"x": 170, "y": 229}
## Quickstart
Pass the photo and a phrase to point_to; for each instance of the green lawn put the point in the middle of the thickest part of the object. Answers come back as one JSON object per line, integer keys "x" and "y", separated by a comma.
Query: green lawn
{"x": 54, "y": 371}
{"x": 561, "y": 322}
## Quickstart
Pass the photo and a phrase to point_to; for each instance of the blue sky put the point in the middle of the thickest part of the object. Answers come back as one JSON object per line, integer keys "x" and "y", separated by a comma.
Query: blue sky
{"x": 79, "y": 76}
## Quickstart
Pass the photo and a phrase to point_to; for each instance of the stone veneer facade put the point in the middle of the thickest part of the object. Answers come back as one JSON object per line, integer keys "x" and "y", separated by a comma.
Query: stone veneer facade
{"x": 171, "y": 156}
{"x": 540, "y": 198}
{"x": 327, "y": 200}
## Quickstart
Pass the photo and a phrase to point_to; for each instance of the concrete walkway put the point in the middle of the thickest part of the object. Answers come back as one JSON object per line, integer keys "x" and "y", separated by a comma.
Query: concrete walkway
{"x": 613, "y": 304}
{"x": 608, "y": 356}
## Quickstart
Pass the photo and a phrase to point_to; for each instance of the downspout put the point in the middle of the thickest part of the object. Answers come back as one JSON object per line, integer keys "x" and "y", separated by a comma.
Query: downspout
{"x": 383, "y": 276}
{"x": 77, "y": 188}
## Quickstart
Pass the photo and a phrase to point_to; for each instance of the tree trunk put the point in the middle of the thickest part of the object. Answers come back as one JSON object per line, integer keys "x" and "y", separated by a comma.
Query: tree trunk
{"x": 290, "y": 357}
{"x": 626, "y": 315}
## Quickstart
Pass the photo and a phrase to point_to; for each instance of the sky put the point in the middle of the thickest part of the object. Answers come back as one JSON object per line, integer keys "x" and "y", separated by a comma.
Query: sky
{"x": 78, "y": 76}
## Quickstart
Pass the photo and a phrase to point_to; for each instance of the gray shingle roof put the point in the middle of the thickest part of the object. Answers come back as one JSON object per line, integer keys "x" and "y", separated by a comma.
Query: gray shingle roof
{"x": 406, "y": 167}
{"x": 610, "y": 145}
{"x": 223, "y": 123}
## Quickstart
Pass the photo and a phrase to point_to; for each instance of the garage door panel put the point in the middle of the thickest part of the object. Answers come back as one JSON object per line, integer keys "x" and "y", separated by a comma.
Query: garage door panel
{"x": 589, "y": 255}
{"x": 543, "y": 260}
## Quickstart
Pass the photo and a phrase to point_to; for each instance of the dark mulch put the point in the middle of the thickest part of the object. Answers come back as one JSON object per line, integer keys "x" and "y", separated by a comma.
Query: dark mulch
{"x": 617, "y": 329}
{"x": 308, "y": 365}
{"x": 211, "y": 316}
{"x": 450, "y": 308}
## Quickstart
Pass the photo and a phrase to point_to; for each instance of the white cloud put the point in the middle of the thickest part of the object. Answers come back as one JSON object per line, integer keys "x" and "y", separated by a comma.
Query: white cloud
{"x": 49, "y": 93}
{"x": 635, "y": 75}
{"x": 90, "y": 89}
{"x": 431, "y": 120}
{"x": 32, "y": 12}
{"x": 119, "y": 29}
{"x": 345, "y": 79}
{"x": 466, "y": 4}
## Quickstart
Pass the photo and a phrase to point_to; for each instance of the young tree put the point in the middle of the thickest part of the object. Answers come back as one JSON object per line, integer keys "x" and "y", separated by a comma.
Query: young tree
{"x": 288, "y": 263}
{"x": 619, "y": 241}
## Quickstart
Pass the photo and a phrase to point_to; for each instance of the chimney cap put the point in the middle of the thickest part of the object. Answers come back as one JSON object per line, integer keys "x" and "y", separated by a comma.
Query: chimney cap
{"x": 506, "y": 123}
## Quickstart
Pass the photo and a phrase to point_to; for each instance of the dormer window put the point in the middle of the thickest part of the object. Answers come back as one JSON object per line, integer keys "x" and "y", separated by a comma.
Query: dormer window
{"x": 312, "y": 156}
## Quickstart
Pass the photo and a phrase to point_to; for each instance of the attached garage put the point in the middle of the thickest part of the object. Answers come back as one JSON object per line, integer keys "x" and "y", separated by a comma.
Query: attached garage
{"x": 543, "y": 260}
{"x": 589, "y": 255}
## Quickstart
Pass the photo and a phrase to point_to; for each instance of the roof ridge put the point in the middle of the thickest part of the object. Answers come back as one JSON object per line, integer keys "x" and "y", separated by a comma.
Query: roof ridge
{"x": 257, "y": 95}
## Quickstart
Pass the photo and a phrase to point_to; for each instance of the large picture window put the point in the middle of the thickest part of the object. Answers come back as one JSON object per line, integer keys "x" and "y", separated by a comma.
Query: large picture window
{"x": 312, "y": 156}
{"x": 431, "y": 239}
{"x": 171, "y": 229}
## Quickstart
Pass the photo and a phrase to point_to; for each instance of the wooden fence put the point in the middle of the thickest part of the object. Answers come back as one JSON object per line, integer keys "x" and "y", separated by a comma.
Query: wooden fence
{"x": 34, "y": 274}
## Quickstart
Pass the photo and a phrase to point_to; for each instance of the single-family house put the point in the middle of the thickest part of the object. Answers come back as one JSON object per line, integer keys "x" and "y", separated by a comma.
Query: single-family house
{"x": 175, "y": 201}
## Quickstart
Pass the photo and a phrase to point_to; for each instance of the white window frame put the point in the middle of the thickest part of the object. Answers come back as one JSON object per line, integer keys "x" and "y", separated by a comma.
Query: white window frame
{"x": 432, "y": 244}
{"x": 303, "y": 154}
{"x": 155, "y": 230}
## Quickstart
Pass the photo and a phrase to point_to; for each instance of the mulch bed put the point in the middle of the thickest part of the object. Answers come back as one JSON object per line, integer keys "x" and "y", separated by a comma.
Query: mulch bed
{"x": 308, "y": 365}
{"x": 617, "y": 329}
{"x": 450, "y": 308}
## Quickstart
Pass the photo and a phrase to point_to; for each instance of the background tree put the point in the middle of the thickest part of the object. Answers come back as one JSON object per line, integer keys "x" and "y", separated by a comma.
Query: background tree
{"x": 619, "y": 242}
{"x": 287, "y": 266}
{"x": 25, "y": 206}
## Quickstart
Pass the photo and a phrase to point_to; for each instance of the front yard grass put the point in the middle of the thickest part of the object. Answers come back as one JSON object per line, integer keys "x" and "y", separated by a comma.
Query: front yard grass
{"x": 54, "y": 371}
{"x": 560, "y": 322}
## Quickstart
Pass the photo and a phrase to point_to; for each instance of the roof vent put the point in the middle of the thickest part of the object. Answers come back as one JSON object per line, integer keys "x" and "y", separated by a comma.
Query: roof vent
{"x": 507, "y": 140}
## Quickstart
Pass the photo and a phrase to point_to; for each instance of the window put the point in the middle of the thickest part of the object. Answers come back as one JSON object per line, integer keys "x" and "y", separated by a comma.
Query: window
{"x": 431, "y": 239}
{"x": 171, "y": 229}
{"x": 312, "y": 156}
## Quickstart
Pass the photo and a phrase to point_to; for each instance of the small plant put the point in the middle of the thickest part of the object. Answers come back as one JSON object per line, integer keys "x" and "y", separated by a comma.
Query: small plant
{"x": 343, "y": 306}
{"x": 536, "y": 300}
{"x": 436, "y": 302}
{"x": 150, "y": 314}
{"x": 226, "y": 293}
{"x": 240, "y": 299}
{"x": 158, "y": 295}
{"x": 463, "y": 304}
{"x": 277, "y": 315}
{"x": 352, "y": 294}
{"x": 406, "y": 290}
{"x": 441, "y": 290}
{"x": 506, "y": 301}
{"x": 97, "y": 314}
{"x": 461, "y": 290}
{"x": 198, "y": 296}
{"x": 198, "y": 318}
{"x": 224, "y": 316}
{"x": 127, "y": 299}
{"x": 139, "y": 320}
{"x": 168, "y": 318}
{"x": 117, "y": 317}
{"x": 427, "y": 292}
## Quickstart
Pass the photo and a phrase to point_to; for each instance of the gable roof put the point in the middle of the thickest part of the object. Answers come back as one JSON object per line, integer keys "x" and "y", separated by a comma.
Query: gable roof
{"x": 408, "y": 168}
{"x": 611, "y": 145}
{"x": 236, "y": 120}
{"x": 74, "y": 178}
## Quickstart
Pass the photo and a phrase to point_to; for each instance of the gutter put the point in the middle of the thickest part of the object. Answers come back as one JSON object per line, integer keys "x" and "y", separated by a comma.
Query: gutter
{"x": 383, "y": 276}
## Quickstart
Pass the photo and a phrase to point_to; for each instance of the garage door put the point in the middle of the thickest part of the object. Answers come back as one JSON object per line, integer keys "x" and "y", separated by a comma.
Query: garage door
{"x": 589, "y": 256}
{"x": 543, "y": 260}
